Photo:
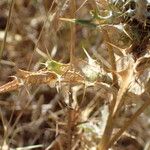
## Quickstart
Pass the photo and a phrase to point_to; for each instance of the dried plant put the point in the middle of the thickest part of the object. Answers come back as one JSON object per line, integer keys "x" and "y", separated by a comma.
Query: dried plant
{"x": 97, "y": 70}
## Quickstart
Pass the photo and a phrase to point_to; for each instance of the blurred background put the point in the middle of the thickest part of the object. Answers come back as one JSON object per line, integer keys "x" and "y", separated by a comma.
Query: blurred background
{"x": 37, "y": 117}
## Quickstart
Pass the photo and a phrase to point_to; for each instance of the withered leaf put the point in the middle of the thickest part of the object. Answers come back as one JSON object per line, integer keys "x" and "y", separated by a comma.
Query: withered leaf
{"x": 10, "y": 86}
{"x": 126, "y": 78}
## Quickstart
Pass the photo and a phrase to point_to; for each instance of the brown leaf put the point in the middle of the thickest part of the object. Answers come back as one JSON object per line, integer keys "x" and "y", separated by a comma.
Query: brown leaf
{"x": 41, "y": 78}
{"x": 72, "y": 77}
{"x": 10, "y": 86}
{"x": 126, "y": 78}
{"x": 23, "y": 74}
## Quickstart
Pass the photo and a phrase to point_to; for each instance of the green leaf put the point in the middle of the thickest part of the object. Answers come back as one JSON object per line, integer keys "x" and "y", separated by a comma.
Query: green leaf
{"x": 57, "y": 67}
{"x": 54, "y": 66}
{"x": 88, "y": 23}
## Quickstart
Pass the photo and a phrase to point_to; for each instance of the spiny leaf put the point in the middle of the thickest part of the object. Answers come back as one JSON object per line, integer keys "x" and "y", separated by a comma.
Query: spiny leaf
{"x": 126, "y": 78}
{"x": 43, "y": 78}
{"x": 26, "y": 77}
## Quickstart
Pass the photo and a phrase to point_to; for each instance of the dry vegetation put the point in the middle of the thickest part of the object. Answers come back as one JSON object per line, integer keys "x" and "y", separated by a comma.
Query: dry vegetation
{"x": 74, "y": 75}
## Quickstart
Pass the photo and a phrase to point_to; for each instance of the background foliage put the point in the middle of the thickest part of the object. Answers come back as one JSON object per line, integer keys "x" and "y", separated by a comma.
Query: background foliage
{"x": 101, "y": 59}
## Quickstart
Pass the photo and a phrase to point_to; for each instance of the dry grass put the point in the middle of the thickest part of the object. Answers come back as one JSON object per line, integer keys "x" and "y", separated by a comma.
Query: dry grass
{"x": 79, "y": 75}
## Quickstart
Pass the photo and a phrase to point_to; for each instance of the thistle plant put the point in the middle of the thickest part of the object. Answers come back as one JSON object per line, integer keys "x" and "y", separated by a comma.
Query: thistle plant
{"x": 104, "y": 87}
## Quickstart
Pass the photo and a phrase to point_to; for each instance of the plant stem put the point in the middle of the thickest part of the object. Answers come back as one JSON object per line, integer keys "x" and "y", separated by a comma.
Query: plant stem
{"x": 73, "y": 32}
{"x": 7, "y": 27}
{"x": 111, "y": 57}
{"x": 128, "y": 123}
{"x": 103, "y": 145}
